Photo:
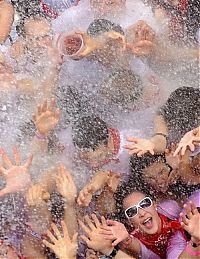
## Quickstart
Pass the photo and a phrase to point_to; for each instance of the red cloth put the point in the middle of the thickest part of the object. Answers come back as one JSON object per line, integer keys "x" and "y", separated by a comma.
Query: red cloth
{"x": 158, "y": 242}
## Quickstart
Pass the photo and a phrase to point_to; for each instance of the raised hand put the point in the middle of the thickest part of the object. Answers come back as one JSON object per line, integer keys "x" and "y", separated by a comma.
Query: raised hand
{"x": 65, "y": 185}
{"x": 17, "y": 176}
{"x": 139, "y": 146}
{"x": 187, "y": 141}
{"x": 116, "y": 232}
{"x": 47, "y": 117}
{"x": 85, "y": 195}
{"x": 36, "y": 195}
{"x": 62, "y": 245}
{"x": 93, "y": 238}
{"x": 191, "y": 223}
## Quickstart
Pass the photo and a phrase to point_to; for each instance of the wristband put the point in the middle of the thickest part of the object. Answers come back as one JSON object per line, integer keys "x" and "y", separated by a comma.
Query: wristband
{"x": 193, "y": 244}
{"x": 191, "y": 252}
{"x": 40, "y": 136}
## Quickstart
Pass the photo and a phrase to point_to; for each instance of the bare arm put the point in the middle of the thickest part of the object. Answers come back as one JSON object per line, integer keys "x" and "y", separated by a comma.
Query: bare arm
{"x": 6, "y": 20}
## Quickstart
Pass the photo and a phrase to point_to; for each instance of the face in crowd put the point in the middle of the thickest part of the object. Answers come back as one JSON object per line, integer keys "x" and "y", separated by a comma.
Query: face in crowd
{"x": 103, "y": 8}
{"x": 141, "y": 213}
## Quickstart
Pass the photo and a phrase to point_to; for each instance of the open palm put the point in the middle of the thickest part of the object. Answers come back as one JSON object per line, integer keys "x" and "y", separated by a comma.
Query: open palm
{"x": 16, "y": 175}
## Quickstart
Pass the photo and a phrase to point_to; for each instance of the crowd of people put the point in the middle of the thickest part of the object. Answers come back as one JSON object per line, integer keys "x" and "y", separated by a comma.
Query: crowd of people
{"x": 99, "y": 129}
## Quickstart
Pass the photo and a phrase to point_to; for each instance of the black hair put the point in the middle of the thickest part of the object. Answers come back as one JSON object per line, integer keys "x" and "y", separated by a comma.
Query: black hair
{"x": 122, "y": 87}
{"x": 89, "y": 132}
{"x": 182, "y": 110}
{"x": 99, "y": 26}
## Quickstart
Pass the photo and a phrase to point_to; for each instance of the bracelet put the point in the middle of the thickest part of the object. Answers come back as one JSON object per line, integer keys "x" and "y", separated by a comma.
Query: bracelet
{"x": 40, "y": 136}
{"x": 193, "y": 244}
{"x": 191, "y": 252}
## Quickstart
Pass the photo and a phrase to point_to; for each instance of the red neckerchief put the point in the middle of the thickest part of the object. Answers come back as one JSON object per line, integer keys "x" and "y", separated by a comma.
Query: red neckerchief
{"x": 158, "y": 242}
{"x": 114, "y": 133}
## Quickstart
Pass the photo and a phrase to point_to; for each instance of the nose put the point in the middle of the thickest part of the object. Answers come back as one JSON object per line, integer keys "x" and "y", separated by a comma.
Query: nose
{"x": 141, "y": 212}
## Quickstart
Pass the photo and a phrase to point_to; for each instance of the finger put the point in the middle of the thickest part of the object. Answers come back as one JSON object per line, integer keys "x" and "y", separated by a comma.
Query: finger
{"x": 56, "y": 231}
{"x": 177, "y": 150}
{"x": 96, "y": 221}
{"x": 106, "y": 232}
{"x": 65, "y": 230}
{"x": 184, "y": 220}
{"x": 44, "y": 106}
{"x": 57, "y": 113}
{"x": 28, "y": 162}
{"x": 51, "y": 237}
{"x": 103, "y": 221}
{"x": 89, "y": 222}
{"x": 185, "y": 227}
{"x": 84, "y": 227}
{"x": 133, "y": 152}
{"x": 16, "y": 156}
{"x": 85, "y": 239}
{"x": 6, "y": 160}
{"x": 4, "y": 192}
{"x": 141, "y": 153}
{"x": 183, "y": 150}
{"x": 130, "y": 146}
{"x": 47, "y": 244}
{"x": 151, "y": 152}
{"x": 188, "y": 210}
{"x": 194, "y": 208}
{"x": 34, "y": 118}
{"x": 132, "y": 139}
{"x": 192, "y": 147}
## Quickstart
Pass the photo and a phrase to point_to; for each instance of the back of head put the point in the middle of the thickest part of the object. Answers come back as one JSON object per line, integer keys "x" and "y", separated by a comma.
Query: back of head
{"x": 122, "y": 87}
{"x": 100, "y": 26}
{"x": 89, "y": 132}
{"x": 182, "y": 110}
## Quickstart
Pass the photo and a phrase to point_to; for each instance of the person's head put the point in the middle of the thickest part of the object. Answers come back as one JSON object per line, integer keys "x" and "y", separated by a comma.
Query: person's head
{"x": 138, "y": 209}
{"x": 110, "y": 48}
{"x": 123, "y": 88}
{"x": 181, "y": 111}
{"x": 91, "y": 138}
{"x": 153, "y": 171}
{"x": 103, "y": 8}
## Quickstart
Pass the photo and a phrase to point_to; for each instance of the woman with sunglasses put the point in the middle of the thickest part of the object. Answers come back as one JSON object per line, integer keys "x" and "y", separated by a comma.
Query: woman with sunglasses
{"x": 149, "y": 228}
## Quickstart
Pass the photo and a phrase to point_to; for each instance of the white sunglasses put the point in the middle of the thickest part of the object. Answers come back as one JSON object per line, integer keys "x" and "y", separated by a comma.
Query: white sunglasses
{"x": 143, "y": 204}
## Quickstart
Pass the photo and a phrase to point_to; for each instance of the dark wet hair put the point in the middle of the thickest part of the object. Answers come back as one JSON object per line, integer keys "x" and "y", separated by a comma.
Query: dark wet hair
{"x": 99, "y": 26}
{"x": 182, "y": 110}
{"x": 89, "y": 132}
{"x": 122, "y": 87}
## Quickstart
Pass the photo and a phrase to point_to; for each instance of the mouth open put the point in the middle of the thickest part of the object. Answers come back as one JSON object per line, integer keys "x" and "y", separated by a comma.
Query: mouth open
{"x": 148, "y": 223}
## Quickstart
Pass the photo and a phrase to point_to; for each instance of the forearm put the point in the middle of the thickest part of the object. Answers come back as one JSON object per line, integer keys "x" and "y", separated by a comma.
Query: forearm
{"x": 70, "y": 218}
{"x": 160, "y": 131}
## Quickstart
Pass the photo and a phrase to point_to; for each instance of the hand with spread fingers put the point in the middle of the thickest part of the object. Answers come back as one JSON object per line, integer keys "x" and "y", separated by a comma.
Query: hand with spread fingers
{"x": 36, "y": 195}
{"x": 17, "y": 176}
{"x": 139, "y": 146}
{"x": 47, "y": 117}
{"x": 188, "y": 141}
{"x": 115, "y": 231}
{"x": 65, "y": 185}
{"x": 60, "y": 243}
{"x": 191, "y": 221}
{"x": 92, "y": 237}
